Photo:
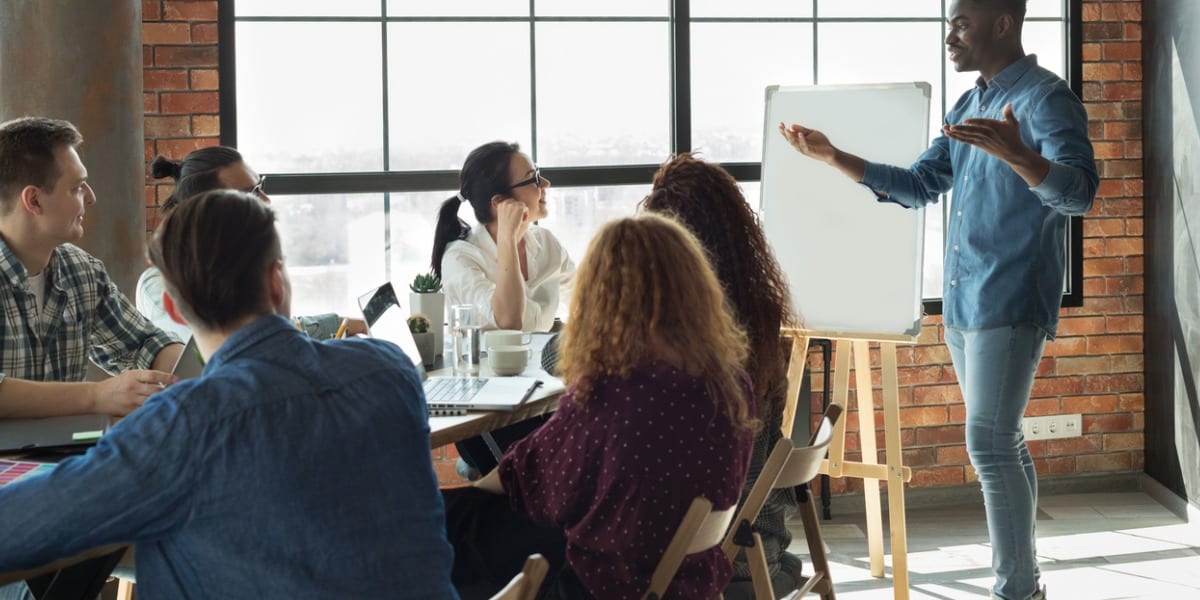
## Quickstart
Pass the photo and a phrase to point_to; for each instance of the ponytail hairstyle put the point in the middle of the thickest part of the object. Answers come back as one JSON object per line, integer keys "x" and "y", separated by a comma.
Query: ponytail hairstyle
{"x": 484, "y": 174}
{"x": 195, "y": 174}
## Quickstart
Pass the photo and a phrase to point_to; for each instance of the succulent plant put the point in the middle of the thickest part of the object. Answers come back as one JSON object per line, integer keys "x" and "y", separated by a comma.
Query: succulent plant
{"x": 419, "y": 323}
{"x": 426, "y": 283}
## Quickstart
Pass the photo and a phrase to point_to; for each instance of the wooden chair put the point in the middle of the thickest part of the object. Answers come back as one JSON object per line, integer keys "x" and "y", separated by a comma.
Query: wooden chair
{"x": 699, "y": 530}
{"x": 786, "y": 467}
{"x": 526, "y": 584}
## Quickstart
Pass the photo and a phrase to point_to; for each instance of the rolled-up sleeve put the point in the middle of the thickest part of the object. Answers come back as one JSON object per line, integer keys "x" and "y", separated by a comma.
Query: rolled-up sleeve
{"x": 922, "y": 183}
{"x": 1059, "y": 126}
{"x": 122, "y": 338}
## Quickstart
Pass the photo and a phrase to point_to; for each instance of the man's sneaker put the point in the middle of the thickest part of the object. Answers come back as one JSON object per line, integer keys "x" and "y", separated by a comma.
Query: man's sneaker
{"x": 1040, "y": 594}
{"x": 466, "y": 471}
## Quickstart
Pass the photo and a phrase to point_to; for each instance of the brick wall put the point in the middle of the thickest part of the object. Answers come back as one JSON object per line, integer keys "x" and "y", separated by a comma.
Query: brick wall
{"x": 179, "y": 53}
{"x": 1093, "y": 368}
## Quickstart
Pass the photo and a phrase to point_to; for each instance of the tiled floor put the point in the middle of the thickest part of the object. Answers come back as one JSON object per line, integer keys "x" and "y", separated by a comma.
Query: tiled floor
{"x": 1091, "y": 547}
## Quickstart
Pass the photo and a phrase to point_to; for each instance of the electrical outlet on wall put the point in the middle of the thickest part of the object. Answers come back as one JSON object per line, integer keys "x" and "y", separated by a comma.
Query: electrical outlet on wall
{"x": 1052, "y": 427}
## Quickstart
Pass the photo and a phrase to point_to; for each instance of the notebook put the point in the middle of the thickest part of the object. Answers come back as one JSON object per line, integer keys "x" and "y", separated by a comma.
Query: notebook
{"x": 77, "y": 431}
{"x": 445, "y": 395}
{"x": 190, "y": 364}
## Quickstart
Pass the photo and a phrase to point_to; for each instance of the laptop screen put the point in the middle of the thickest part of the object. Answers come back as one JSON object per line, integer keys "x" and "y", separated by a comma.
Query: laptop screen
{"x": 387, "y": 321}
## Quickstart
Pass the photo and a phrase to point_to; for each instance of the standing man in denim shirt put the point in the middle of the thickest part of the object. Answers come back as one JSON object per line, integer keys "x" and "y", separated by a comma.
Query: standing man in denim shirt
{"x": 1016, "y": 152}
{"x": 291, "y": 468}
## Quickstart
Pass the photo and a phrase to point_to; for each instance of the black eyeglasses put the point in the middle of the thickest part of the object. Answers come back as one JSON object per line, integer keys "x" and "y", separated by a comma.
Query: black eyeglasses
{"x": 536, "y": 179}
{"x": 258, "y": 187}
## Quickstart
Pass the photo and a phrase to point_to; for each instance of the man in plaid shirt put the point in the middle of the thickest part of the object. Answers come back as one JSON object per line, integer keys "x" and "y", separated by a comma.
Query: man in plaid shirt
{"x": 60, "y": 307}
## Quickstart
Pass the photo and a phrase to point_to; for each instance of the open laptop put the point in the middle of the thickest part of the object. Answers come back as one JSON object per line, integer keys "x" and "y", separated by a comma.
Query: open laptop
{"x": 444, "y": 395}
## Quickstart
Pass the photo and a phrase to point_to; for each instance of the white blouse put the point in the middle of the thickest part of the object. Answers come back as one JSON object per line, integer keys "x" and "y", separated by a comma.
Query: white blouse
{"x": 469, "y": 276}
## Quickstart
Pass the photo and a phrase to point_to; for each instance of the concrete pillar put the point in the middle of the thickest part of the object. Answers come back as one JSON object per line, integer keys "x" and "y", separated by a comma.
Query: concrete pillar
{"x": 81, "y": 60}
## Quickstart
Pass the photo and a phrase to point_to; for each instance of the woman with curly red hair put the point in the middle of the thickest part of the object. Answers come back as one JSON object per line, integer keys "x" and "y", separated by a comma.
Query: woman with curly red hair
{"x": 658, "y": 411}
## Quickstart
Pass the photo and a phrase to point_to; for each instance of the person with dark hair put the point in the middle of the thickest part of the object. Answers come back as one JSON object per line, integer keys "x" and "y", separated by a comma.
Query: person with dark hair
{"x": 61, "y": 308}
{"x": 291, "y": 468}
{"x": 203, "y": 170}
{"x": 516, "y": 273}
{"x": 1015, "y": 150}
{"x": 658, "y": 411}
{"x": 707, "y": 200}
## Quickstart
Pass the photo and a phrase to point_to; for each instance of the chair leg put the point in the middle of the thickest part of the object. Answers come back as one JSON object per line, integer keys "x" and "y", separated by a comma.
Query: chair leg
{"x": 760, "y": 573}
{"x": 816, "y": 544}
{"x": 124, "y": 589}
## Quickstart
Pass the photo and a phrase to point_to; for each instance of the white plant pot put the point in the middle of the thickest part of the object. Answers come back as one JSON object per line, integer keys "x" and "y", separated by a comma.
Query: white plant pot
{"x": 434, "y": 307}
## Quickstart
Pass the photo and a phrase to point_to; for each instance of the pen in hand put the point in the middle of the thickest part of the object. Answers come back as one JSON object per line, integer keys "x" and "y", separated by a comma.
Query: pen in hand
{"x": 341, "y": 329}
{"x": 529, "y": 392}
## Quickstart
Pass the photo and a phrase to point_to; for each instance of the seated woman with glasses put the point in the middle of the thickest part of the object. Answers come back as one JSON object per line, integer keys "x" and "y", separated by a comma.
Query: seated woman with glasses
{"x": 517, "y": 274}
{"x": 204, "y": 170}
{"x": 707, "y": 199}
{"x": 657, "y": 412}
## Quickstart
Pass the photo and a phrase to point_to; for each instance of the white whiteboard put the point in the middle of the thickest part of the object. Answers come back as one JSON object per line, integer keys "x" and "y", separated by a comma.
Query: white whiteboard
{"x": 853, "y": 264}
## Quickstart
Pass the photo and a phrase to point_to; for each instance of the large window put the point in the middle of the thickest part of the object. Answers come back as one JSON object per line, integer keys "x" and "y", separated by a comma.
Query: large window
{"x": 362, "y": 111}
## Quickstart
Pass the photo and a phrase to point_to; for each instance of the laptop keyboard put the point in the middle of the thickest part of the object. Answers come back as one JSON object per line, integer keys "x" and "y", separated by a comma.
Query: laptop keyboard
{"x": 451, "y": 391}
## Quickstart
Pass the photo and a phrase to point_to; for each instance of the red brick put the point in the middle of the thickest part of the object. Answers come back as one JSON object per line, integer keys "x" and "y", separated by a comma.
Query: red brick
{"x": 1106, "y": 150}
{"x": 952, "y": 455}
{"x": 925, "y": 355}
{"x": 957, "y": 413}
{"x": 1056, "y": 386}
{"x": 1040, "y": 407}
{"x": 1121, "y": 130}
{"x": 1107, "y": 423}
{"x": 1083, "y": 444}
{"x": 1132, "y": 402}
{"x": 1093, "y": 91}
{"x": 1091, "y": 12}
{"x": 1099, "y": 71}
{"x": 1065, "y": 346}
{"x": 1133, "y": 149}
{"x": 1110, "y": 188}
{"x": 1090, "y": 463}
{"x": 937, "y": 394}
{"x": 149, "y": 102}
{"x": 1133, "y": 304}
{"x": 1133, "y": 32}
{"x": 190, "y": 10}
{"x": 206, "y": 125}
{"x": 1095, "y": 286}
{"x": 147, "y": 56}
{"x": 923, "y": 415}
{"x": 1103, "y": 266}
{"x": 154, "y": 34}
{"x": 1045, "y": 367}
{"x": 1124, "y": 441}
{"x": 187, "y": 103}
{"x": 204, "y": 33}
{"x": 1120, "y": 383}
{"x": 1118, "y": 286}
{"x": 1093, "y": 247}
{"x": 1131, "y": 71}
{"x": 937, "y": 436}
{"x": 1121, "y": 168}
{"x": 1076, "y": 365}
{"x": 164, "y": 79}
{"x": 1131, "y": 324}
{"x": 914, "y": 457}
{"x": 168, "y": 127}
{"x": 1091, "y": 52}
{"x": 937, "y": 476}
{"x": 1122, "y": 91}
{"x": 185, "y": 56}
{"x": 1081, "y": 326}
{"x": 1133, "y": 187}
{"x": 1094, "y": 32}
{"x": 204, "y": 79}
{"x": 1089, "y": 404}
{"x": 151, "y": 10}
{"x": 177, "y": 149}
{"x": 1061, "y": 465}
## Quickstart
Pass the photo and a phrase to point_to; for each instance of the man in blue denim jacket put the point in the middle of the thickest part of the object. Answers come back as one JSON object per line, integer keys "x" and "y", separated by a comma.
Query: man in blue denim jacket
{"x": 1016, "y": 153}
{"x": 291, "y": 468}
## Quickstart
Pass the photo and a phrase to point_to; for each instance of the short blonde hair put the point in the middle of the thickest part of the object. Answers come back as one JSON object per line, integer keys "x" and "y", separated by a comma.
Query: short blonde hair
{"x": 645, "y": 279}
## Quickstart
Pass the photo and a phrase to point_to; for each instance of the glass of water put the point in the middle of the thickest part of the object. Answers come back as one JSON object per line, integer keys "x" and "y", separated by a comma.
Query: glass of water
{"x": 464, "y": 327}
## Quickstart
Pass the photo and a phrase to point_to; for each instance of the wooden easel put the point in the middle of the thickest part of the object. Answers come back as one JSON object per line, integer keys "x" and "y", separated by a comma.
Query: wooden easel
{"x": 856, "y": 345}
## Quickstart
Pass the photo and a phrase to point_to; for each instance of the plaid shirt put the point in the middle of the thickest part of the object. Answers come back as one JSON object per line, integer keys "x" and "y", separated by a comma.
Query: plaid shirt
{"x": 85, "y": 316}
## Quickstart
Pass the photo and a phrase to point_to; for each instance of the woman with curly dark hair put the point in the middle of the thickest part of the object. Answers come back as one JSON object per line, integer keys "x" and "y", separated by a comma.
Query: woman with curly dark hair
{"x": 707, "y": 200}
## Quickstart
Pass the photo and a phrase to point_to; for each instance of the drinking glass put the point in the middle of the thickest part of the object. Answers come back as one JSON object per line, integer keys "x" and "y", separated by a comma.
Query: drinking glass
{"x": 464, "y": 327}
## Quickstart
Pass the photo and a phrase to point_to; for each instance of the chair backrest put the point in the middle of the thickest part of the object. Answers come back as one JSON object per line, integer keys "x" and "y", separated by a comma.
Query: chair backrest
{"x": 787, "y": 466}
{"x": 526, "y": 584}
{"x": 700, "y": 530}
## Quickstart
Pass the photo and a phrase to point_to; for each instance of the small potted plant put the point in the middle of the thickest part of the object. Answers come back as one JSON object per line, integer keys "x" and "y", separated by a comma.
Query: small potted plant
{"x": 419, "y": 325}
{"x": 427, "y": 299}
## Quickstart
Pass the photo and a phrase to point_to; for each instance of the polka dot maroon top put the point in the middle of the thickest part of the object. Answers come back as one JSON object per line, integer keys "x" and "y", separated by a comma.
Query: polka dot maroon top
{"x": 618, "y": 475}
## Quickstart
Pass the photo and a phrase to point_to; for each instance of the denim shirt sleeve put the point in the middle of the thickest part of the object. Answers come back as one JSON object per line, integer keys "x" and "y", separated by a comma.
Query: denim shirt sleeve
{"x": 1059, "y": 127}
{"x": 136, "y": 479}
{"x": 918, "y": 185}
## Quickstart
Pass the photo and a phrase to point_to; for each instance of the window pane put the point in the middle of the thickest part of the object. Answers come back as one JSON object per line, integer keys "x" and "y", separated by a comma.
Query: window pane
{"x": 413, "y": 219}
{"x": 333, "y": 247}
{"x": 1045, "y": 39}
{"x": 1044, "y": 8}
{"x": 577, "y": 213}
{"x": 292, "y": 116}
{"x": 732, "y": 64}
{"x": 879, "y": 9}
{"x": 603, "y": 93}
{"x": 307, "y": 8}
{"x": 751, "y": 8}
{"x": 913, "y": 54}
{"x": 442, "y": 104}
{"x": 602, "y": 8}
{"x": 457, "y": 8}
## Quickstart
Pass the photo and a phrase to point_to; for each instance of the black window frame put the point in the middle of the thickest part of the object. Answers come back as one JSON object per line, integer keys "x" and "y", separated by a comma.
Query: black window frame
{"x": 680, "y": 20}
